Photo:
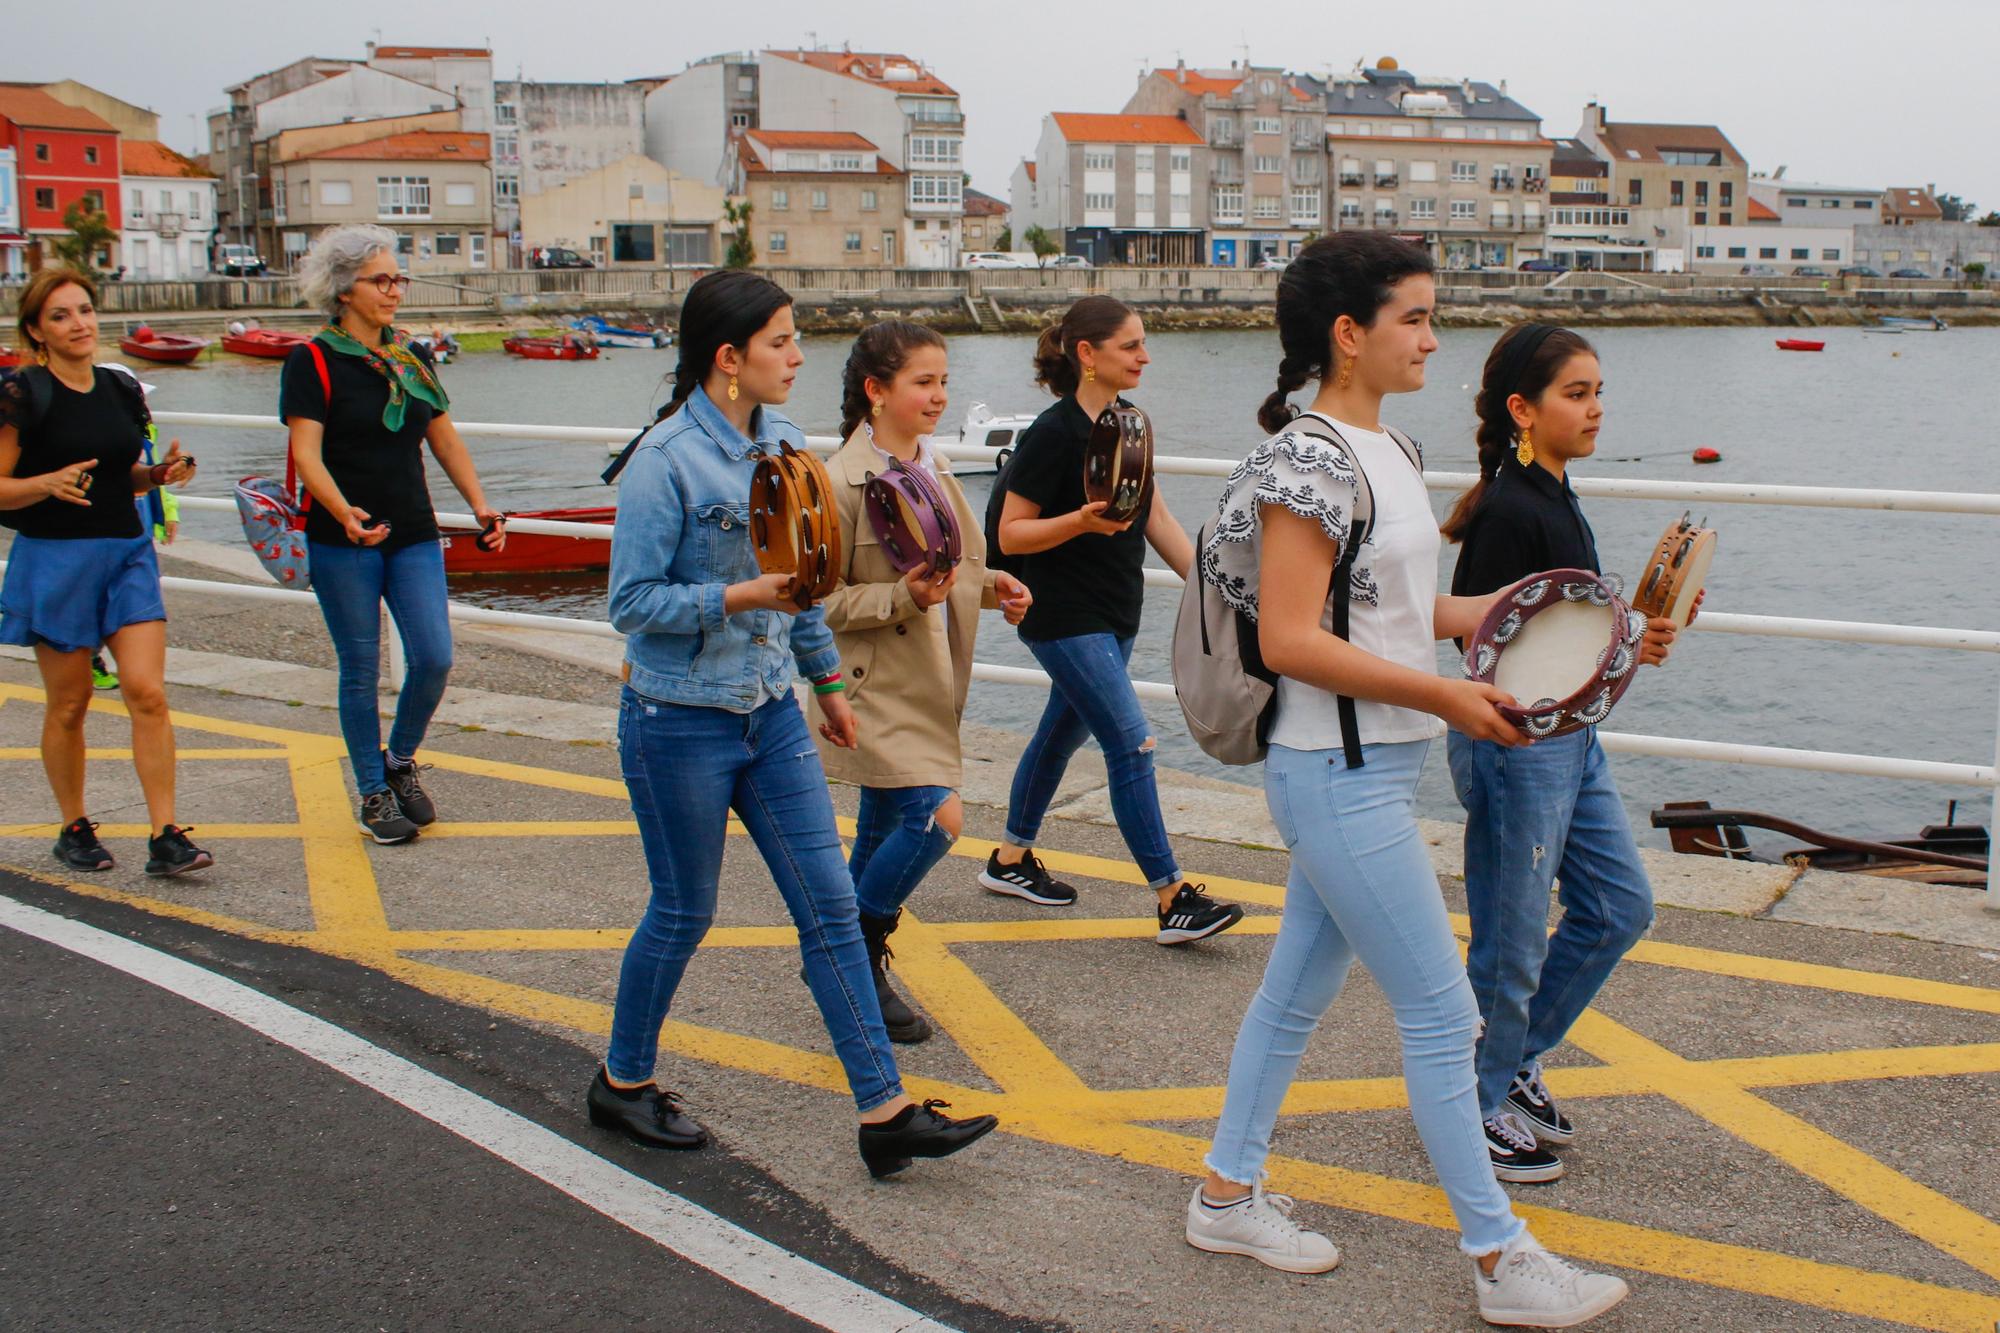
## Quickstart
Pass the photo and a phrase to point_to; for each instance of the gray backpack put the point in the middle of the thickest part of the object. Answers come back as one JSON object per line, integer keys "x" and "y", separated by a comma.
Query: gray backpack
{"x": 1227, "y": 694}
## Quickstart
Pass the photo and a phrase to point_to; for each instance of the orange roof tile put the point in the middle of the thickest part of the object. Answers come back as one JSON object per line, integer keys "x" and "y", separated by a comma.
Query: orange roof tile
{"x": 1201, "y": 84}
{"x": 754, "y": 166}
{"x": 429, "y": 52}
{"x": 415, "y": 146}
{"x": 1082, "y": 127}
{"x": 979, "y": 204}
{"x": 27, "y": 105}
{"x": 1625, "y": 137}
{"x": 810, "y": 139}
{"x": 148, "y": 157}
{"x": 872, "y": 67}
{"x": 1762, "y": 212}
{"x": 1911, "y": 201}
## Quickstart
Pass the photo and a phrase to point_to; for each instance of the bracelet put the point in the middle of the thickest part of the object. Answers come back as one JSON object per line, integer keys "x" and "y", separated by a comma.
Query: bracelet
{"x": 829, "y": 684}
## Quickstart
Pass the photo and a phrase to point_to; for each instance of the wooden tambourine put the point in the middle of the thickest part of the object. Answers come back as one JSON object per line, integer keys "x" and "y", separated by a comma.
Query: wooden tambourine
{"x": 1118, "y": 461}
{"x": 1564, "y": 644}
{"x": 793, "y": 523}
{"x": 1675, "y": 574}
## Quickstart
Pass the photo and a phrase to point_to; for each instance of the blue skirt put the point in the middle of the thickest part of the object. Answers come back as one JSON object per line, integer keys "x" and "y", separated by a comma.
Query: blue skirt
{"x": 73, "y": 594}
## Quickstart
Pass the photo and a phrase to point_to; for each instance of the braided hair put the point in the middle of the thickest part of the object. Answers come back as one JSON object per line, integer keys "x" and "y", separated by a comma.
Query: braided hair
{"x": 1348, "y": 273}
{"x": 1525, "y": 359}
{"x": 723, "y": 309}
{"x": 880, "y": 351}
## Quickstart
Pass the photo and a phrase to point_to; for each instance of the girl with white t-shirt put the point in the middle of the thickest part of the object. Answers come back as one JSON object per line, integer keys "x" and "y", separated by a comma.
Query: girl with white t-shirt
{"x": 1354, "y": 312}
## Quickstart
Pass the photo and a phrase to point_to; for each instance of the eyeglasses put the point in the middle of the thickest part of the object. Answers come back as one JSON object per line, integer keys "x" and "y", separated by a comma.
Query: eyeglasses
{"x": 385, "y": 283}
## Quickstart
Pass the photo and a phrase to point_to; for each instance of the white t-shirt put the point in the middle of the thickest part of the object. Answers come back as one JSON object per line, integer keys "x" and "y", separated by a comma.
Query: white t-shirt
{"x": 1394, "y": 585}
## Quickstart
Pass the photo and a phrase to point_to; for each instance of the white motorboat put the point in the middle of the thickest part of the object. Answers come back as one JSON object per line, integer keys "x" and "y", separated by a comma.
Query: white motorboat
{"x": 984, "y": 443}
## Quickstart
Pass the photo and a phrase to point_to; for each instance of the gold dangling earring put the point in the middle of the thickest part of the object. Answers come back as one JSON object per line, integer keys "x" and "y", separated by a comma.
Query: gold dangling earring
{"x": 1525, "y": 452}
{"x": 1346, "y": 375}
{"x": 732, "y": 388}
{"x": 875, "y": 411}
{"x": 1089, "y": 374}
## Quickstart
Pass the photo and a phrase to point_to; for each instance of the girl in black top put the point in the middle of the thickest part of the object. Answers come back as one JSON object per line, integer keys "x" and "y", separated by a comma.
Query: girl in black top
{"x": 357, "y": 438}
{"x": 81, "y": 571}
{"x": 1085, "y": 573}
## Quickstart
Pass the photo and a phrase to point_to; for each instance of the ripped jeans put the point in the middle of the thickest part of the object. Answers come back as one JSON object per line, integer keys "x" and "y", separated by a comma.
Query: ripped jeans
{"x": 686, "y": 767}
{"x": 1092, "y": 695}
{"x": 897, "y": 839}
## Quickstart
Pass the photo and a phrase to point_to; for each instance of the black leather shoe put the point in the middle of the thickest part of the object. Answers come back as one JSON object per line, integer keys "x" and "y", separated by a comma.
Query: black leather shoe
{"x": 650, "y": 1115}
{"x": 919, "y": 1131}
{"x": 905, "y": 1026}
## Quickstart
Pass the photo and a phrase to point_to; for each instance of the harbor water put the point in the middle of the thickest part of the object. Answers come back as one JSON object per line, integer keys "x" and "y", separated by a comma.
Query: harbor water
{"x": 1916, "y": 411}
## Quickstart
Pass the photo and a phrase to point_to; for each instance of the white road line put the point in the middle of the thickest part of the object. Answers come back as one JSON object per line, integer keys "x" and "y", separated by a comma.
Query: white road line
{"x": 768, "y": 1271}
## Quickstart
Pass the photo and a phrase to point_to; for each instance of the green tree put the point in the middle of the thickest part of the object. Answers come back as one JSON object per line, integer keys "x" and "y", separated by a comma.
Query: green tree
{"x": 1041, "y": 243}
{"x": 1956, "y": 209}
{"x": 89, "y": 232}
{"x": 1005, "y": 240}
{"x": 742, "y": 253}
{"x": 1992, "y": 219}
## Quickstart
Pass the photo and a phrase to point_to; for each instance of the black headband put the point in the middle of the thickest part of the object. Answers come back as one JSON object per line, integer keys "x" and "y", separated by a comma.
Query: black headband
{"x": 1520, "y": 352}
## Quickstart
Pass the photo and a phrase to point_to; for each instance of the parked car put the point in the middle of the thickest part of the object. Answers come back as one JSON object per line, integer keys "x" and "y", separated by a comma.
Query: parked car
{"x": 1758, "y": 271}
{"x": 1273, "y": 263}
{"x": 990, "y": 259}
{"x": 1859, "y": 271}
{"x": 1808, "y": 271}
{"x": 1543, "y": 266}
{"x": 1908, "y": 273}
{"x": 240, "y": 261}
{"x": 1066, "y": 261}
{"x": 556, "y": 256}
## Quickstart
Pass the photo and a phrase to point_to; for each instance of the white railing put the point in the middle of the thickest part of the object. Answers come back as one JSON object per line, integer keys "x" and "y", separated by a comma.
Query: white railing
{"x": 1838, "y": 631}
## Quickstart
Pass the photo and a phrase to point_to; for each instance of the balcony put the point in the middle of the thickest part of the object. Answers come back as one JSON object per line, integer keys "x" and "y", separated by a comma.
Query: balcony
{"x": 1387, "y": 182}
{"x": 1503, "y": 182}
{"x": 1351, "y": 178}
{"x": 1350, "y": 219}
{"x": 936, "y": 120}
{"x": 1534, "y": 185}
{"x": 1386, "y": 217}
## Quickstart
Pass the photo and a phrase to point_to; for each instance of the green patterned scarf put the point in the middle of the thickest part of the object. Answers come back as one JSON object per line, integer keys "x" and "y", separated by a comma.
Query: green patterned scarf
{"x": 409, "y": 375}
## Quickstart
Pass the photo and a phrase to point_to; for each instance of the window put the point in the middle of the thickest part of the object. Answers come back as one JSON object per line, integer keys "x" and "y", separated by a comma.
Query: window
{"x": 1726, "y": 193}
{"x": 90, "y": 154}
{"x": 1098, "y": 159}
{"x": 278, "y": 198}
{"x": 781, "y": 200}
{"x": 1830, "y": 253}
{"x": 507, "y": 145}
{"x": 1350, "y": 210}
{"x": 1801, "y": 252}
{"x": 845, "y": 162}
{"x": 1385, "y": 171}
{"x": 774, "y": 243}
{"x": 945, "y": 190}
{"x": 45, "y": 200}
{"x": 851, "y": 243}
{"x": 1423, "y": 210}
{"x": 1267, "y": 125}
{"x": 1727, "y": 219}
{"x": 506, "y": 113}
{"x": 1676, "y": 192}
{"x": 633, "y": 242}
{"x": 403, "y": 196}
{"x": 1305, "y": 207}
{"x": 1829, "y": 203}
{"x": 819, "y": 200}
{"x": 406, "y": 245}
{"x": 1143, "y": 203}
{"x": 476, "y": 255}
{"x": 194, "y": 205}
{"x": 1099, "y": 203}
{"x": 135, "y": 203}
{"x": 447, "y": 243}
{"x": 1767, "y": 252}
{"x": 1180, "y": 159}
{"x": 1454, "y": 131}
{"x": 798, "y": 161}
{"x": 1464, "y": 210}
{"x": 1266, "y": 206}
{"x": 1701, "y": 192}
{"x": 739, "y": 120}
{"x": 1923, "y": 256}
{"x": 1863, "y": 203}
{"x": 1267, "y": 87}
{"x": 1267, "y": 163}
{"x": 1423, "y": 171}
{"x": 1220, "y": 130}
{"x": 869, "y": 201}
{"x": 1738, "y": 252}
{"x": 1228, "y": 203}
{"x": 41, "y": 152}
{"x": 1402, "y": 131}
{"x": 1797, "y": 203}
{"x": 506, "y": 188}
{"x": 888, "y": 247}
{"x": 1305, "y": 134}
{"x": 1465, "y": 171}
{"x": 940, "y": 150}
{"x": 1683, "y": 157}
{"x": 1635, "y": 192}
{"x": 1704, "y": 252}
{"x": 1364, "y": 128}
{"x": 460, "y": 194}
{"x": 1180, "y": 203}
{"x": 93, "y": 201}
{"x": 1701, "y": 219}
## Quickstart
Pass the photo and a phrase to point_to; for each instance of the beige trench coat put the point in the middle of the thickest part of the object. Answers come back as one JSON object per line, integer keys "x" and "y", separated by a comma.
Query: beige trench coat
{"x": 907, "y": 670}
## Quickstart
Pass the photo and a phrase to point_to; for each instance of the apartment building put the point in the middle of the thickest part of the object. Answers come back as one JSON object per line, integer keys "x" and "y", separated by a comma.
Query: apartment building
{"x": 169, "y": 205}
{"x": 694, "y": 119}
{"x": 13, "y": 243}
{"x": 1667, "y": 180}
{"x": 632, "y": 213}
{"x": 1585, "y": 230}
{"x": 64, "y": 156}
{"x": 547, "y": 134}
{"x": 823, "y": 199}
{"x": 433, "y": 188}
{"x": 1122, "y": 188}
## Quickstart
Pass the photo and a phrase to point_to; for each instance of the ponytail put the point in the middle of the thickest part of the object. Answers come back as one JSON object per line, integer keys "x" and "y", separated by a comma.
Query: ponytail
{"x": 1094, "y": 319}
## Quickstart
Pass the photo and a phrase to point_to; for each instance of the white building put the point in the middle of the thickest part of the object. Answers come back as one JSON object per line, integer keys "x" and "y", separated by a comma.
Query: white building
{"x": 1802, "y": 204}
{"x": 1122, "y": 188}
{"x": 169, "y": 226}
{"x": 13, "y": 243}
{"x": 693, "y": 119}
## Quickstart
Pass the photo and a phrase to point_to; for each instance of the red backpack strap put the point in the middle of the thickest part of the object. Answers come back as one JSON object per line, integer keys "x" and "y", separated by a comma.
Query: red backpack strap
{"x": 292, "y": 486}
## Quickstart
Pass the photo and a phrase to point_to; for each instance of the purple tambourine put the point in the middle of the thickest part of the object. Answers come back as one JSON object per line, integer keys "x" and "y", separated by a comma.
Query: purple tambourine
{"x": 1564, "y": 643}
{"x": 912, "y": 519}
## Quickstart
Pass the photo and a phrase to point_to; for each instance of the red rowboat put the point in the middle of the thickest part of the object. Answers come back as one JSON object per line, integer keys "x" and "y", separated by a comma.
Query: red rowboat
{"x": 565, "y": 348}
{"x": 173, "y": 348}
{"x": 1799, "y": 345}
{"x": 270, "y": 343}
{"x": 9, "y": 358}
{"x": 531, "y": 552}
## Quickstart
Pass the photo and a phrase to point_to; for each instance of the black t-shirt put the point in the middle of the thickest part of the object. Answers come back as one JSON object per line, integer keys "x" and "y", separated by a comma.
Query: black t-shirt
{"x": 379, "y": 472}
{"x": 1528, "y": 521}
{"x": 105, "y": 424}
{"x": 1091, "y": 584}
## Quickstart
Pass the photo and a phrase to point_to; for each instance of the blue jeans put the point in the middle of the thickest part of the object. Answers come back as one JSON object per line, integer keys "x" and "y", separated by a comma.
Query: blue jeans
{"x": 686, "y": 768}
{"x": 1092, "y": 695}
{"x": 1533, "y": 814}
{"x": 897, "y": 840}
{"x": 1361, "y": 885}
{"x": 351, "y": 583}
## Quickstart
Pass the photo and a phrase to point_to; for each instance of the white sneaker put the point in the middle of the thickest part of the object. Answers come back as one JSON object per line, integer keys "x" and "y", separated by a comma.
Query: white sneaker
{"x": 1532, "y": 1288}
{"x": 1261, "y": 1228}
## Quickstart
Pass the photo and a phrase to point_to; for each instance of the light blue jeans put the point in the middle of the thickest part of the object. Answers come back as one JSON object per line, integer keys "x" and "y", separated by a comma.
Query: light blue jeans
{"x": 1534, "y": 813}
{"x": 1361, "y": 886}
{"x": 897, "y": 840}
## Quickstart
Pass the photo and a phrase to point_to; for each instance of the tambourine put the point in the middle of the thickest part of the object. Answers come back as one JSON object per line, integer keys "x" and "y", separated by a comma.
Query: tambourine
{"x": 793, "y": 523}
{"x": 913, "y": 519}
{"x": 1118, "y": 461}
{"x": 1674, "y": 576}
{"x": 1564, "y": 643}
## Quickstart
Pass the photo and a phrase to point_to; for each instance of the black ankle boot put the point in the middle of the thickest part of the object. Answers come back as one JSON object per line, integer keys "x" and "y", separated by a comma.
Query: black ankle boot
{"x": 919, "y": 1131}
{"x": 905, "y": 1024}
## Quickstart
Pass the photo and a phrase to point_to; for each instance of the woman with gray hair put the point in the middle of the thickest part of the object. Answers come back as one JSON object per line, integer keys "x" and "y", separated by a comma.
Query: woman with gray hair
{"x": 360, "y": 401}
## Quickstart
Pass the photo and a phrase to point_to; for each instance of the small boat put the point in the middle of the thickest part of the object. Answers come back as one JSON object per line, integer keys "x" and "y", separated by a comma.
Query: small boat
{"x": 1916, "y": 324}
{"x": 1800, "y": 345}
{"x": 9, "y": 358}
{"x": 531, "y": 552}
{"x": 982, "y": 430}
{"x": 1882, "y": 328}
{"x": 172, "y": 348}
{"x": 1707, "y": 455}
{"x": 612, "y": 335}
{"x": 569, "y": 347}
{"x": 1950, "y": 853}
{"x": 271, "y": 344}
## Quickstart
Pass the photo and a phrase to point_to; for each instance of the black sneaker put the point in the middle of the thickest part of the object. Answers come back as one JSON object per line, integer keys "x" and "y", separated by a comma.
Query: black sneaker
{"x": 418, "y": 807}
{"x": 1027, "y": 879}
{"x": 1516, "y": 1155}
{"x": 172, "y": 854}
{"x": 383, "y": 819}
{"x": 1193, "y": 915}
{"x": 1529, "y": 1098}
{"x": 78, "y": 848}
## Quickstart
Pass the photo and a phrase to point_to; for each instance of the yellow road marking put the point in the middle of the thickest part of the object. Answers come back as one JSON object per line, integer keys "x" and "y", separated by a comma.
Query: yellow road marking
{"x": 346, "y": 902}
{"x": 116, "y": 752}
{"x": 217, "y": 832}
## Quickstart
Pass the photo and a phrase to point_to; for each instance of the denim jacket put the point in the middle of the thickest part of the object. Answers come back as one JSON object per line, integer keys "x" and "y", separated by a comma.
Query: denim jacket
{"x": 682, "y": 536}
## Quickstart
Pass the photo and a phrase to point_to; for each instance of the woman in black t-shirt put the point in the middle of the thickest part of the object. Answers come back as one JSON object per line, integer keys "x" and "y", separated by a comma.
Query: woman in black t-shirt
{"x": 1086, "y": 575}
{"x": 361, "y": 401}
{"x": 81, "y": 571}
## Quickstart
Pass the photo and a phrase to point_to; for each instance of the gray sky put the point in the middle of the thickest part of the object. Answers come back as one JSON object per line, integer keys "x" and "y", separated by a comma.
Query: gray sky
{"x": 1838, "y": 91}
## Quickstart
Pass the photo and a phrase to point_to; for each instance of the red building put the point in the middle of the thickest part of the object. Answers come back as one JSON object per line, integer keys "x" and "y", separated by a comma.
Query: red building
{"x": 65, "y": 155}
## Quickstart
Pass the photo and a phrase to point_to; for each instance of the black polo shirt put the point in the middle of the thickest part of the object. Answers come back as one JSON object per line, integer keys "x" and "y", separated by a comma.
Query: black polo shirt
{"x": 1093, "y": 583}
{"x": 1528, "y": 521}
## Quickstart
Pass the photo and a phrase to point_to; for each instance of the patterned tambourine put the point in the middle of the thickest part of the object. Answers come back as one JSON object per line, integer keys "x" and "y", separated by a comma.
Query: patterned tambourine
{"x": 793, "y": 524}
{"x": 1118, "y": 461}
{"x": 913, "y": 519}
{"x": 1674, "y": 576}
{"x": 1563, "y": 643}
